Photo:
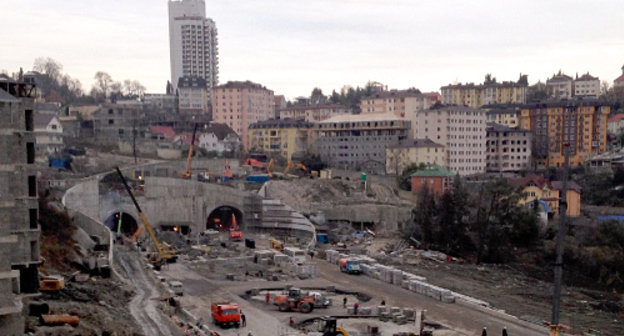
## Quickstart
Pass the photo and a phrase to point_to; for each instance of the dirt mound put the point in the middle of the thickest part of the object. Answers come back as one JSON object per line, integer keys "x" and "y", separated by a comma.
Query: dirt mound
{"x": 307, "y": 195}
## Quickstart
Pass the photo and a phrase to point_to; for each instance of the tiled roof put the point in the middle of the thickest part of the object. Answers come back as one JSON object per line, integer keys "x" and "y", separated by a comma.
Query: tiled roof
{"x": 394, "y": 94}
{"x": 219, "y": 130}
{"x": 433, "y": 170}
{"x": 165, "y": 130}
{"x": 537, "y": 180}
{"x": 620, "y": 79}
{"x": 313, "y": 107}
{"x": 362, "y": 117}
{"x": 587, "y": 77}
{"x": 616, "y": 117}
{"x": 42, "y": 120}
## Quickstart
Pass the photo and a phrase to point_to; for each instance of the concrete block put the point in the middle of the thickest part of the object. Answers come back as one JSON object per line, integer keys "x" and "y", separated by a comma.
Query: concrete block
{"x": 382, "y": 310}
{"x": 365, "y": 310}
{"x": 395, "y": 310}
{"x": 409, "y": 313}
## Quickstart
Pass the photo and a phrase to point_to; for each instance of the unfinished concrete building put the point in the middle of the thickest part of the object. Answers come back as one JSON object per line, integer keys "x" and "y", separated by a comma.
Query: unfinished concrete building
{"x": 19, "y": 229}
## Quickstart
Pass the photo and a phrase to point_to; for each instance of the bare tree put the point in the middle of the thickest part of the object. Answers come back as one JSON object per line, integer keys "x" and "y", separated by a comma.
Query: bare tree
{"x": 103, "y": 83}
{"x": 48, "y": 66}
{"x": 604, "y": 88}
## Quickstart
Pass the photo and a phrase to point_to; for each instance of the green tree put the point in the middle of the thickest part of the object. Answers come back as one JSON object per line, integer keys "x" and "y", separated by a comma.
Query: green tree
{"x": 452, "y": 235}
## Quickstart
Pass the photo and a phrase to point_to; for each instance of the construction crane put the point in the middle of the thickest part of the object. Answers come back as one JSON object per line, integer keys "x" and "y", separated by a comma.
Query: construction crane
{"x": 165, "y": 253}
{"x": 187, "y": 173}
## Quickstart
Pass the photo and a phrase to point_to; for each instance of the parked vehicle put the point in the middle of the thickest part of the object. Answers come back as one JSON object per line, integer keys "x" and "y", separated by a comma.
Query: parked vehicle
{"x": 320, "y": 301}
{"x": 350, "y": 266}
{"x": 295, "y": 300}
{"x": 225, "y": 314}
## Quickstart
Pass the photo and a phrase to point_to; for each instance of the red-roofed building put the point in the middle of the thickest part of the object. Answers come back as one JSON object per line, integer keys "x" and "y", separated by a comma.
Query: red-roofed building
{"x": 161, "y": 132}
{"x": 619, "y": 82}
{"x": 537, "y": 187}
{"x": 615, "y": 123}
{"x": 434, "y": 97}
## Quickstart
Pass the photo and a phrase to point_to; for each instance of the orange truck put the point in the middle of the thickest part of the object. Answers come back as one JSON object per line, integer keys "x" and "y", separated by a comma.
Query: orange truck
{"x": 225, "y": 314}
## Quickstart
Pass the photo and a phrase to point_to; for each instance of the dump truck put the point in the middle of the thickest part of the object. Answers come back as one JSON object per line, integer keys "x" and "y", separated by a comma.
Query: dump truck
{"x": 350, "y": 266}
{"x": 225, "y": 314}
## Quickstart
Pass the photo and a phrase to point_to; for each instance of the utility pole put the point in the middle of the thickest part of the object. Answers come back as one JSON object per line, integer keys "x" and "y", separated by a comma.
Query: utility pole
{"x": 555, "y": 328}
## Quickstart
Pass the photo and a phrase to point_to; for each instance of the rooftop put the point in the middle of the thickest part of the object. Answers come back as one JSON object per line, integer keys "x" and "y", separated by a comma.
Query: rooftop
{"x": 417, "y": 143}
{"x": 395, "y": 94}
{"x": 240, "y": 85}
{"x": 191, "y": 81}
{"x": 7, "y": 98}
{"x": 587, "y": 77}
{"x": 281, "y": 123}
{"x": 616, "y": 117}
{"x": 42, "y": 120}
{"x": 494, "y": 127}
{"x": 362, "y": 117}
{"x": 313, "y": 107}
{"x": 565, "y": 103}
{"x": 433, "y": 171}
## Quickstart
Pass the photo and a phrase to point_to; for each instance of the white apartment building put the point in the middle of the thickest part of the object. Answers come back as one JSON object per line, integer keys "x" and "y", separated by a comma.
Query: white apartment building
{"x": 587, "y": 86}
{"x": 192, "y": 42}
{"x": 461, "y": 130}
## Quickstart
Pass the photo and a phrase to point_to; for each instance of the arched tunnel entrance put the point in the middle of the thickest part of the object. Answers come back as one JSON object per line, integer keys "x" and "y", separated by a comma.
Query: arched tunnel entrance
{"x": 127, "y": 225}
{"x": 224, "y": 218}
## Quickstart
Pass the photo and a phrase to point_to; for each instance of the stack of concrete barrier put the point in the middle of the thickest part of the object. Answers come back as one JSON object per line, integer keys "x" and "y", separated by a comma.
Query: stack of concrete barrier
{"x": 447, "y": 296}
{"x": 397, "y": 277}
{"x": 470, "y": 300}
{"x": 260, "y": 254}
{"x": 280, "y": 259}
{"x": 409, "y": 313}
{"x": 365, "y": 310}
{"x": 332, "y": 256}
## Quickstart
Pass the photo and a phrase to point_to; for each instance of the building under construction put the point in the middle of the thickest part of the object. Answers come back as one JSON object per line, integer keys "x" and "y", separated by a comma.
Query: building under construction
{"x": 19, "y": 229}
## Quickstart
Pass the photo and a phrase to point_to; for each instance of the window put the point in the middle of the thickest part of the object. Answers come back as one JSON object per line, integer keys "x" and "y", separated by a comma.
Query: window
{"x": 32, "y": 186}
{"x": 32, "y": 214}
{"x": 29, "y": 120}
{"x": 30, "y": 153}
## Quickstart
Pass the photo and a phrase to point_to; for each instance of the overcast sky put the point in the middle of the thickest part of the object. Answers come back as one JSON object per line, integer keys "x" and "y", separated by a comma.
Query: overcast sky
{"x": 293, "y": 46}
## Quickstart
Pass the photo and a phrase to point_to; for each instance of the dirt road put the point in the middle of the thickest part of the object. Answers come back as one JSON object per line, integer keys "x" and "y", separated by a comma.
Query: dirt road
{"x": 142, "y": 308}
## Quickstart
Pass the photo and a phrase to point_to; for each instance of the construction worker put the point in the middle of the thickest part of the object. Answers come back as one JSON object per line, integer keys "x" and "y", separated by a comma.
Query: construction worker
{"x": 383, "y": 302}
{"x": 291, "y": 322}
{"x": 355, "y": 308}
{"x": 344, "y": 302}
{"x": 484, "y": 332}
{"x": 505, "y": 331}
{"x": 243, "y": 319}
{"x": 268, "y": 297}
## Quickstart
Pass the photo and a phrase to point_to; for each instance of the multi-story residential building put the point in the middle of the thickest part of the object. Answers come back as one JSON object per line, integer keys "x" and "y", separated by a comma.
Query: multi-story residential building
{"x": 616, "y": 124}
{"x": 281, "y": 137}
{"x": 538, "y": 188}
{"x": 507, "y": 115}
{"x": 240, "y": 104}
{"x": 193, "y": 48}
{"x": 587, "y": 86}
{"x": 193, "y": 96}
{"x": 115, "y": 122}
{"x": 48, "y": 134}
{"x": 461, "y": 130}
{"x": 359, "y": 141}
{"x": 619, "y": 82}
{"x": 508, "y": 149}
{"x": 487, "y": 93}
{"x": 436, "y": 178}
{"x": 313, "y": 113}
{"x": 399, "y": 102}
{"x": 19, "y": 227}
{"x": 280, "y": 103}
{"x": 582, "y": 124}
{"x": 165, "y": 103}
{"x": 413, "y": 151}
{"x": 560, "y": 86}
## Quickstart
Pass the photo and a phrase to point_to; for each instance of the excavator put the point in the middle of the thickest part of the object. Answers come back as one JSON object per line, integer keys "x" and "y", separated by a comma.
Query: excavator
{"x": 187, "y": 173}
{"x": 235, "y": 234}
{"x": 165, "y": 253}
{"x": 298, "y": 165}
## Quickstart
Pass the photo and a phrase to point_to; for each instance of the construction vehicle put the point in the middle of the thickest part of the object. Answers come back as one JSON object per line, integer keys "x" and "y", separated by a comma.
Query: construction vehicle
{"x": 51, "y": 283}
{"x": 350, "y": 266}
{"x": 187, "y": 172}
{"x": 165, "y": 253}
{"x": 225, "y": 314}
{"x": 268, "y": 168}
{"x": 328, "y": 326}
{"x": 295, "y": 300}
{"x": 227, "y": 173}
{"x": 235, "y": 234}
{"x": 277, "y": 245}
{"x": 298, "y": 165}
{"x": 255, "y": 164}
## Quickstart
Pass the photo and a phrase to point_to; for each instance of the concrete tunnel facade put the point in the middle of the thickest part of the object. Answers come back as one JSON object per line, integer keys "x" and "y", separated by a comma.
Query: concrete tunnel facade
{"x": 174, "y": 201}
